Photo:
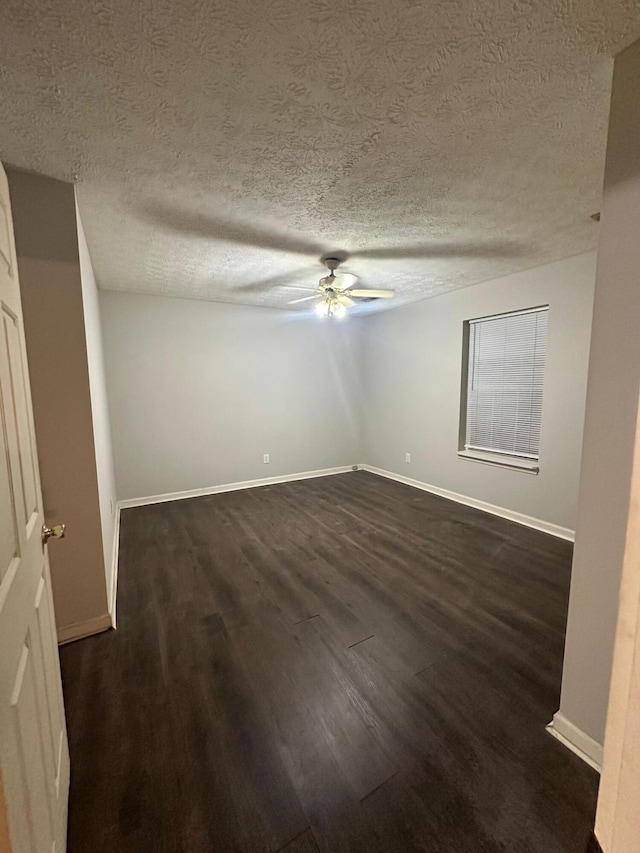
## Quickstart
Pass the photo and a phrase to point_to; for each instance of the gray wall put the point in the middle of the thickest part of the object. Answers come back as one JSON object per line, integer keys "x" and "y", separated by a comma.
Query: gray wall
{"x": 411, "y": 368}
{"x": 99, "y": 407}
{"x": 198, "y": 391}
{"x": 193, "y": 375}
{"x": 49, "y": 270}
{"x": 612, "y": 406}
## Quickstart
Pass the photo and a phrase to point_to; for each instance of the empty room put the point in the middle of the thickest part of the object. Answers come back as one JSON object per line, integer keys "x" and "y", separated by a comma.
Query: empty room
{"x": 319, "y": 385}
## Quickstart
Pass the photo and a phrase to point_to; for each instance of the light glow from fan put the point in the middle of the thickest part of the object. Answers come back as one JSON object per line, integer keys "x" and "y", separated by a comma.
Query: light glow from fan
{"x": 330, "y": 307}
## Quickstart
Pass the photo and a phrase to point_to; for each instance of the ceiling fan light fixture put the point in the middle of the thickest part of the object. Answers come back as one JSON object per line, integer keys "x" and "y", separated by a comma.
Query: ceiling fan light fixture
{"x": 337, "y": 292}
{"x": 330, "y": 307}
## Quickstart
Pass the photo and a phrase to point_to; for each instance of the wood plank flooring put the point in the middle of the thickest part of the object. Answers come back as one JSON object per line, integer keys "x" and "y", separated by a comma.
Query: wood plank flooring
{"x": 340, "y": 664}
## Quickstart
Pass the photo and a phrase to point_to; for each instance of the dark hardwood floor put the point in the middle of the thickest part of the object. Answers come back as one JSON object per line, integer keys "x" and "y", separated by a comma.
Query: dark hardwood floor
{"x": 340, "y": 664}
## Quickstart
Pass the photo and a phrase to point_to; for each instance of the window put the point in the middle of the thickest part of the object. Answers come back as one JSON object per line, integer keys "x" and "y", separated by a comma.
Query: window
{"x": 502, "y": 406}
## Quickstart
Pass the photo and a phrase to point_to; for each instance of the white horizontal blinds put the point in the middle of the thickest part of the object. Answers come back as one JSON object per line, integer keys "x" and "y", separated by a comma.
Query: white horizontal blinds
{"x": 504, "y": 384}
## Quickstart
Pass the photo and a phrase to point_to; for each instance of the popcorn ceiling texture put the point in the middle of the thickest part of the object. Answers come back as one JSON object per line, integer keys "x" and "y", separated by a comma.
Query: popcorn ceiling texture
{"x": 221, "y": 147}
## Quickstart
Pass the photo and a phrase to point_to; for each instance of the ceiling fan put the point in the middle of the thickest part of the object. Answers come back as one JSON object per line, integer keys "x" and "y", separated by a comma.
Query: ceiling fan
{"x": 336, "y": 292}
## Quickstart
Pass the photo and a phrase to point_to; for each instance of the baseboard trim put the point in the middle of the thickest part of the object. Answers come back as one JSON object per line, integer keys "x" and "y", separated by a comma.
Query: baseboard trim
{"x": 502, "y": 512}
{"x": 232, "y": 487}
{"x": 582, "y": 744}
{"x": 113, "y": 592}
{"x": 78, "y": 630}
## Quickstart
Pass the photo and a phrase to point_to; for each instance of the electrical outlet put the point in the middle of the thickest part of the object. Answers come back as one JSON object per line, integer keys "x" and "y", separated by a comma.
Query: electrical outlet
{"x": 407, "y": 457}
{"x": 265, "y": 458}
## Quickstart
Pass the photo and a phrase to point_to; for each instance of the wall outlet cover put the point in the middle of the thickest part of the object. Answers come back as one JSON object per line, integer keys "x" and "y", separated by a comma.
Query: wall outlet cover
{"x": 265, "y": 458}
{"x": 407, "y": 457}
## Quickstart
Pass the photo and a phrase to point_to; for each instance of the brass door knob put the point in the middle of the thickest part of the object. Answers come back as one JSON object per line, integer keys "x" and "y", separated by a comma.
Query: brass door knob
{"x": 55, "y": 532}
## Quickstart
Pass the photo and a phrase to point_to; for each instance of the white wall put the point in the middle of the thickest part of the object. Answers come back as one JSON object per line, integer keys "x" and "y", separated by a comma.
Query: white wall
{"x": 198, "y": 391}
{"x": 412, "y": 366}
{"x": 99, "y": 407}
{"x": 612, "y": 406}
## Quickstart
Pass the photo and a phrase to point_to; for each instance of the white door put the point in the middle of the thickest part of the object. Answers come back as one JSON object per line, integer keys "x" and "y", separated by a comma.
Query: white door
{"x": 34, "y": 758}
{"x": 618, "y": 817}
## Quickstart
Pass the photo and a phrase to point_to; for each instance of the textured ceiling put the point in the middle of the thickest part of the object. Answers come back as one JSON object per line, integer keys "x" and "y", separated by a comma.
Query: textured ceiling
{"x": 222, "y": 147}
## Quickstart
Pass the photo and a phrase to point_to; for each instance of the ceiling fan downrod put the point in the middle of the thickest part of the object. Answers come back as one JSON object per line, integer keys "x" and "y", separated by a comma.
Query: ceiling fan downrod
{"x": 332, "y": 265}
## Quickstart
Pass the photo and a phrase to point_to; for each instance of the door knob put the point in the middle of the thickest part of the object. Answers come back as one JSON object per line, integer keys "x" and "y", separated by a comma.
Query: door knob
{"x": 55, "y": 532}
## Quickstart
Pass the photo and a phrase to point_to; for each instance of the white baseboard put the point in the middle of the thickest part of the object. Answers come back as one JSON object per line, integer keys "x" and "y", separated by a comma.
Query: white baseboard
{"x": 232, "y": 487}
{"x": 113, "y": 592}
{"x": 78, "y": 630}
{"x": 511, "y": 515}
{"x": 584, "y": 746}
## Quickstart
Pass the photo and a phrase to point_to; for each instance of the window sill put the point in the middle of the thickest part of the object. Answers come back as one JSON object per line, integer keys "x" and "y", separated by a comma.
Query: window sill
{"x": 527, "y": 466}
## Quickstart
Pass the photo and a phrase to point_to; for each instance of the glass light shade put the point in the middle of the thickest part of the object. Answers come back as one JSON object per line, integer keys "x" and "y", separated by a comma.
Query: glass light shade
{"x": 330, "y": 307}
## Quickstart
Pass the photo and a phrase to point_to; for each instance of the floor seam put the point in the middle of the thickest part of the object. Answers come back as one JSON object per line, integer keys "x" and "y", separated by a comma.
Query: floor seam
{"x": 295, "y": 838}
{"x": 307, "y": 619}
{"x": 361, "y": 641}
{"x": 377, "y": 788}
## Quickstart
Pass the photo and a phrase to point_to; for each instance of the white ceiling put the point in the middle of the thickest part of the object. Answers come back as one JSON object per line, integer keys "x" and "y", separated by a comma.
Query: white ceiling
{"x": 222, "y": 147}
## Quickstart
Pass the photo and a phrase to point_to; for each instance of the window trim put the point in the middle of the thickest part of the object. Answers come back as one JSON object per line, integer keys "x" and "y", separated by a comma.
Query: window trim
{"x": 513, "y": 463}
{"x": 526, "y": 465}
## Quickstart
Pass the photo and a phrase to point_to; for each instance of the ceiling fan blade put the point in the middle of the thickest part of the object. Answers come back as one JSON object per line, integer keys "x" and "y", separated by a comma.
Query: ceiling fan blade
{"x": 372, "y": 294}
{"x": 346, "y": 280}
{"x": 343, "y": 299}
{"x": 304, "y": 299}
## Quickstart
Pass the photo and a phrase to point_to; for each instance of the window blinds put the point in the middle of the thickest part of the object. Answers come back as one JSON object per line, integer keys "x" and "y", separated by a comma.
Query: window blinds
{"x": 506, "y": 360}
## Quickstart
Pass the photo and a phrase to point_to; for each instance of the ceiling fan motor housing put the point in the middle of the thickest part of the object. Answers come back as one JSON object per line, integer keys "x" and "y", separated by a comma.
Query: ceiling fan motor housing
{"x": 332, "y": 263}
{"x": 328, "y": 282}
